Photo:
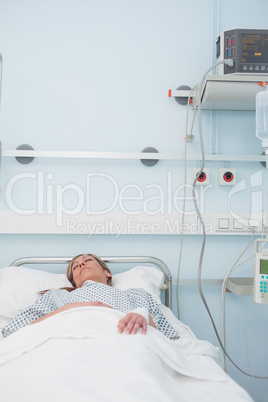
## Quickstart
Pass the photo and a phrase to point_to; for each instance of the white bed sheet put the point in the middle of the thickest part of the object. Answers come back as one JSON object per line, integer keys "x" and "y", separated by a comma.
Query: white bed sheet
{"x": 79, "y": 355}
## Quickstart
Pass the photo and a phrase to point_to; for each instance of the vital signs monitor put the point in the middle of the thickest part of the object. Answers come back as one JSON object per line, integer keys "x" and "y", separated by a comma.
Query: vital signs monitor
{"x": 248, "y": 48}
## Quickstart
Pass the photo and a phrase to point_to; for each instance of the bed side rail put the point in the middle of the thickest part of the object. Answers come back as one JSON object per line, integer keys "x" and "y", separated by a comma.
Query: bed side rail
{"x": 109, "y": 260}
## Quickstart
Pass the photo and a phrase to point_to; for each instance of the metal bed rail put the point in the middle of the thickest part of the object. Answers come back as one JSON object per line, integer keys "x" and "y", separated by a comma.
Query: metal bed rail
{"x": 109, "y": 260}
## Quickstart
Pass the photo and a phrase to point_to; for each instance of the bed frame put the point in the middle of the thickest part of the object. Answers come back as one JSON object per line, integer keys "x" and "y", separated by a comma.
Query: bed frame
{"x": 167, "y": 287}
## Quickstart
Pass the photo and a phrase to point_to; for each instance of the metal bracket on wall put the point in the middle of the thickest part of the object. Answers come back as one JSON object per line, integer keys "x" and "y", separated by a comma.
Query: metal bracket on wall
{"x": 149, "y": 162}
{"x": 181, "y": 94}
{"x": 24, "y": 159}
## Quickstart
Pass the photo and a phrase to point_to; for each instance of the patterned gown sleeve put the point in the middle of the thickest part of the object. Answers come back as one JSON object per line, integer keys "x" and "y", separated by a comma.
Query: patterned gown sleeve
{"x": 42, "y": 306}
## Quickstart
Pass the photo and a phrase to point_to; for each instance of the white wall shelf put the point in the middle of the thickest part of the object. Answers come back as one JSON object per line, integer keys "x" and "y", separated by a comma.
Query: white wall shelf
{"x": 240, "y": 286}
{"x": 226, "y": 92}
{"x": 232, "y": 91}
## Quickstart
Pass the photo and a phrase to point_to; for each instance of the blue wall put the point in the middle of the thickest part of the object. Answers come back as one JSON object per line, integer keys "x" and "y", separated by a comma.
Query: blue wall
{"x": 90, "y": 75}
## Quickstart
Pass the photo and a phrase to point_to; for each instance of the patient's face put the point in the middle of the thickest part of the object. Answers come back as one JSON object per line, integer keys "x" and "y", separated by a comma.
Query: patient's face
{"x": 87, "y": 268}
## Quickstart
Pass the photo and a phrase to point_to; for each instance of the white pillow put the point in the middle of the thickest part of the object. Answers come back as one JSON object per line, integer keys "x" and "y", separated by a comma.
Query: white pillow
{"x": 148, "y": 278}
{"x": 20, "y": 286}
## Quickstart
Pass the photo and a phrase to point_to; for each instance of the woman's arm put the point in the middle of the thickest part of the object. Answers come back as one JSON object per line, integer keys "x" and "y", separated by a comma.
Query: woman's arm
{"x": 68, "y": 307}
{"x": 130, "y": 323}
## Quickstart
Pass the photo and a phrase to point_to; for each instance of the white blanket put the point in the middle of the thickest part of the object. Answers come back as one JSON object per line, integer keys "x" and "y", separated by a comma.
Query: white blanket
{"x": 78, "y": 355}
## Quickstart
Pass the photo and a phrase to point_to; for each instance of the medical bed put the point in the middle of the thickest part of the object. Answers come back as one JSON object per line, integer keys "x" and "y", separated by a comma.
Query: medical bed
{"x": 79, "y": 355}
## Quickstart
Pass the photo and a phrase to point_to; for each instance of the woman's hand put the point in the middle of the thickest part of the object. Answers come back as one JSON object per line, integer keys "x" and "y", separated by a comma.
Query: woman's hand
{"x": 131, "y": 323}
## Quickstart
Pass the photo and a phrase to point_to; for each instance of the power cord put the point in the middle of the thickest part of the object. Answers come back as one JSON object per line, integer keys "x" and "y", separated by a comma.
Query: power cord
{"x": 229, "y": 62}
{"x": 184, "y": 195}
{"x": 224, "y": 287}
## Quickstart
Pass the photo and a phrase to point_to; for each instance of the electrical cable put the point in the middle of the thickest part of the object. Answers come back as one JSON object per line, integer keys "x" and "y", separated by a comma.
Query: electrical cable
{"x": 228, "y": 62}
{"x": 184, "y": 196}
{"x": 224, "y": 287}
{"x": 246, "y": 328}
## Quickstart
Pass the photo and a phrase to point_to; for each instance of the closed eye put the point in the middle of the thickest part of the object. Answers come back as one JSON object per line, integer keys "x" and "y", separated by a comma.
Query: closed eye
{"x": 88, "y": 259}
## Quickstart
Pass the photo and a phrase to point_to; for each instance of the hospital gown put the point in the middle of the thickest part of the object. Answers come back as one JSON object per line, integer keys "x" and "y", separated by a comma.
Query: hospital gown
{"x": 122, "y": 300}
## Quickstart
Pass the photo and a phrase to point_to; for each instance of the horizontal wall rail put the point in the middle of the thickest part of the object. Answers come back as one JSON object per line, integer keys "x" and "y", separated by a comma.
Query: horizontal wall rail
{"x": 131, "y": 155}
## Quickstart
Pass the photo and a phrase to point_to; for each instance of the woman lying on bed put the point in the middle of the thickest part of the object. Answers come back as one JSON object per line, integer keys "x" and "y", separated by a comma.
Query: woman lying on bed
{"x": 91, "y": 279}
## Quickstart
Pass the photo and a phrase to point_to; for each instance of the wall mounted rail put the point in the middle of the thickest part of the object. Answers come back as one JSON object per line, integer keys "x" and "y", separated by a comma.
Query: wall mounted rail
{"x": 131, "y": 155}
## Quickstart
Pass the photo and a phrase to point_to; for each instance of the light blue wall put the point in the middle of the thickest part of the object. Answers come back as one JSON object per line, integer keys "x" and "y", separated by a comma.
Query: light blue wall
{"x": 93, "y": 75}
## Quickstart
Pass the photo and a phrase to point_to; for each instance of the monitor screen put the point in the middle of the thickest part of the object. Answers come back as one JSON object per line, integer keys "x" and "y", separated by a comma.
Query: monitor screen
{"x": 264, "y": 267}
{"x": 254, "y": 48}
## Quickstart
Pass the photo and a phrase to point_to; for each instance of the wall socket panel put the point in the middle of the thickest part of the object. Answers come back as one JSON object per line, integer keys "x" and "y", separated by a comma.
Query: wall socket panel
{"x": 225, "y": 223}
{"x": 204, "y": 179}
{"x": 227, "y": 177}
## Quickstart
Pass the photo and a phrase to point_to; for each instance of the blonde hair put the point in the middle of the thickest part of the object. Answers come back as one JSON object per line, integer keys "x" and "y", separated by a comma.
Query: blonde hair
{"x": 69, "y": 271}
